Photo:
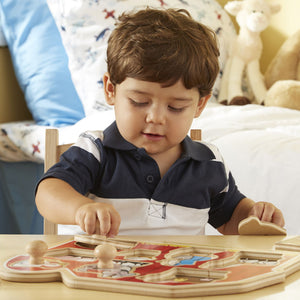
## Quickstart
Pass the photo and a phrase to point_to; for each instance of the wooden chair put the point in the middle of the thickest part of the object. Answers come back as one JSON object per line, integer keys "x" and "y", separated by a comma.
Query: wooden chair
{"x": 196, "y": 134}
{"x": 52, "y": 153}
{"x": 53, "y": 150}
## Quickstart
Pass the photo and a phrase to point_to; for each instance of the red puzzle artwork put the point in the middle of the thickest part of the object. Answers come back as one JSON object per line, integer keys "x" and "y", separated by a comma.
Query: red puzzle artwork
{"x": 158, "y": 269}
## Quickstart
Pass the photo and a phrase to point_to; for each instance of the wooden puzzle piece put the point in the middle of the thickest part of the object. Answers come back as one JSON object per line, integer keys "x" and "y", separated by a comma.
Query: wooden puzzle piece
{"x": 253, "y": 226}
{"x": 290, "y": 244}
{"x": 148, "y": 269}
{"x": 95, "y": 239}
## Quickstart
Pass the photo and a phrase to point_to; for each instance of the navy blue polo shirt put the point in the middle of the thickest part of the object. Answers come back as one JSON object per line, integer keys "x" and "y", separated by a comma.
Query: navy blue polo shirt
{"x": 198, "y": 188}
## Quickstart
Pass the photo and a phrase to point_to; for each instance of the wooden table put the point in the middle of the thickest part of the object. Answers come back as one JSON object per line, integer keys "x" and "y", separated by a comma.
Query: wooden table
{"x": 11, "y": 245}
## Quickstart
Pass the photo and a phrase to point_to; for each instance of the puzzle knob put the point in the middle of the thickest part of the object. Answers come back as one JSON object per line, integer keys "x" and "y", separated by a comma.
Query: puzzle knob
{"x": 36, "y": 249}
{"x": 105, "y": 254}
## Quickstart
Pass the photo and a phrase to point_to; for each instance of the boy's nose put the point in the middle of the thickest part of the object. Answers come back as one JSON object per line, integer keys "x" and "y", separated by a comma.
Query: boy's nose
{"x": 156, "y": 115}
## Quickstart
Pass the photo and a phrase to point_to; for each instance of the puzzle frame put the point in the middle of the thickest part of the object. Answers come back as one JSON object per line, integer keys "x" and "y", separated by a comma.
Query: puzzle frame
{"x": 155, "y": 268}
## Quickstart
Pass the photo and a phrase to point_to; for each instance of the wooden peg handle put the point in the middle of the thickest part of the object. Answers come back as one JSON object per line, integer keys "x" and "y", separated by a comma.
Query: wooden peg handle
{"x": 36, "y": 249}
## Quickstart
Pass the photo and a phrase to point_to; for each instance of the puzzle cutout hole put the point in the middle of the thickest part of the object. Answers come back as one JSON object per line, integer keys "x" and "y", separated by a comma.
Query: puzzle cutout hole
{"x": 185, "y": 275}
{"x": 267, "y": 259}
{"x": 139, "y": 254}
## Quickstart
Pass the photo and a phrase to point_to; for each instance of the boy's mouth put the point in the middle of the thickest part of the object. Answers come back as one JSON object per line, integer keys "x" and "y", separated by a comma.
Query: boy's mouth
{"x": 153, "y": 136}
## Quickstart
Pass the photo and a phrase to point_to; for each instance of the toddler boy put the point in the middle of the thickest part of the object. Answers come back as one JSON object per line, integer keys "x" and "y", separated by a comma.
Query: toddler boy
{"x": 143, "y": 173}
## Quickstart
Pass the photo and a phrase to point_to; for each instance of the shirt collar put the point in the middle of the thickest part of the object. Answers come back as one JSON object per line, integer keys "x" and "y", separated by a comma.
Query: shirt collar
{"x": 113, "y": 139}
{"x": 191, "y": 149}
{"x": 196, "y": 150}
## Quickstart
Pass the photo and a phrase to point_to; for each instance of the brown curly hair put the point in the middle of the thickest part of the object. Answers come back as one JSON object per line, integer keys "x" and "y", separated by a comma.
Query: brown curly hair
{"x": 163, "y": 45}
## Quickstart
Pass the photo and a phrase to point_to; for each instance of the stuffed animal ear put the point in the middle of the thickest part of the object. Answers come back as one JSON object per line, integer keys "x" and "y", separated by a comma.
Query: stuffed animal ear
{"x": 275, "y": 8}
{"x": 233, "y": 7}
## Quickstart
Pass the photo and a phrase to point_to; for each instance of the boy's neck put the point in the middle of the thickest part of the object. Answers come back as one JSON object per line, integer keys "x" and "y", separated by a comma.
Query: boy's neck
{"x": 166, "y": 159}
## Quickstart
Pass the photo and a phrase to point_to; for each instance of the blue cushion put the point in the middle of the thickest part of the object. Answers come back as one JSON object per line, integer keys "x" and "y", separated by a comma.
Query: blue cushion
{"x": 40, "y": 62}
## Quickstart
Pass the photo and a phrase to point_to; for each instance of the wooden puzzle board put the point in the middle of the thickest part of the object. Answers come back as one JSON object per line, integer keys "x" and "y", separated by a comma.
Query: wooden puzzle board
{"x": 290, "y": 244}
{"x": 157, "y": 269}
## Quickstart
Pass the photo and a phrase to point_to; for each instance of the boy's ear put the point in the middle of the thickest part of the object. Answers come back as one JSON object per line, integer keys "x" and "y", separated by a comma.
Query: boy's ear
{"x": 109, "y": 89}
{"x": 201, "y": 105}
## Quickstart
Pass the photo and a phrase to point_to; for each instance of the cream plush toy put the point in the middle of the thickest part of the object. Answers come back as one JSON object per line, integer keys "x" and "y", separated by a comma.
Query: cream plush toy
{"x": 282, "y": 77}
{"x": 253, "y": 17}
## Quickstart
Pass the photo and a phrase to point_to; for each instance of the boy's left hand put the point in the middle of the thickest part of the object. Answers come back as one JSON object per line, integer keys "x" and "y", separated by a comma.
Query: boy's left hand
{"x": 267, "y": 212}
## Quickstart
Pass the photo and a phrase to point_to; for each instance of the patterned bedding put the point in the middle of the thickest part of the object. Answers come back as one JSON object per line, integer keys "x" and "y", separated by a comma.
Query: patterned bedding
{"x": 24, "y": 141}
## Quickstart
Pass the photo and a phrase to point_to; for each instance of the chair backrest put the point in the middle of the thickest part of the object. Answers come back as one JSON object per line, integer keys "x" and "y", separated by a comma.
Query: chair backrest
{"x": 52, "y": 153}
{"x": 53, "y": 150}
{"x": 196, "y": 134}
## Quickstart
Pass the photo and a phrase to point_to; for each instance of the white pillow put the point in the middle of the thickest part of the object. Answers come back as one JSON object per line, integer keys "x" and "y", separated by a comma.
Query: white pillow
{"x": 85, "y": 26}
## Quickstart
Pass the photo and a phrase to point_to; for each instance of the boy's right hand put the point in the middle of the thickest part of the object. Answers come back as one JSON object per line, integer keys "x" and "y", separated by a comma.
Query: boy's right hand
{"x": 98, "y": 218}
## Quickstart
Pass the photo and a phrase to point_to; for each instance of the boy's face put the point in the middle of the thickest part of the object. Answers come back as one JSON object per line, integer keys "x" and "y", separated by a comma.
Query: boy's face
{"x": 153, "y": 117}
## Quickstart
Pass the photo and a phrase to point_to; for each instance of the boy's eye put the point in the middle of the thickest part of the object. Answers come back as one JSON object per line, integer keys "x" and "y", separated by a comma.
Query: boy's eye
{"x": 138, "y": 103}
{"x": 176, "y": 109}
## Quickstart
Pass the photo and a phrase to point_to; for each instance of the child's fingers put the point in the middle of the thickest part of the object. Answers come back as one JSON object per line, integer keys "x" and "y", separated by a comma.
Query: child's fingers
{"x": 109, "y": 222}
{"x": 97, "y": 229}
{"x": 273, "y": 214}
{"x": 257, "y": 210}
{"x": 90, "y": 223}
{"x": 278, "y": 218}
{"x": 80, "y": 220}
{"x": 104, "y": 220}
{"x": 115, "y": 224}
{"x": 98, "y": 218}
{"x": 267, "y": 212}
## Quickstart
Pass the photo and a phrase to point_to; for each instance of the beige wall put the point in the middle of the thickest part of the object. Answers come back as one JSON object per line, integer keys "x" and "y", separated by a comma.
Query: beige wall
{"x": 283, "y": 24}
{"x": 12, "y": 103}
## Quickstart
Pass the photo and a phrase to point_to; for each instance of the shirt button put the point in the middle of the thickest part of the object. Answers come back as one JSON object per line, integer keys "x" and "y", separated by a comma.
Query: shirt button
{"x": 150, "y": 179}
{"x": 137, "y": 156}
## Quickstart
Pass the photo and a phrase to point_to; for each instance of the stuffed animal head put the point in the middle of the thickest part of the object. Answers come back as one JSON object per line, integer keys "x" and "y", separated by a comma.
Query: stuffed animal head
{"x": 282, "y": 77}
{"x": 252, "y": 14}
{"x": 286, "y": 63}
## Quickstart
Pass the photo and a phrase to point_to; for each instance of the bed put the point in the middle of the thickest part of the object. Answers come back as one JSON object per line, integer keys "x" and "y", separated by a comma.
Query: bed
{"x": 62, "y": 89}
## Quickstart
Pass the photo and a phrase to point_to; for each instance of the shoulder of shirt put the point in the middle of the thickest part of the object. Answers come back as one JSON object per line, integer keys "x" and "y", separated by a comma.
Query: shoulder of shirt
{"x": 213, "y": 148}
{"x": 217, "y": 154}
{"x": 91, "y": 141}
{"x": 201, "y": 150}
{"x": 93, "y": 135}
